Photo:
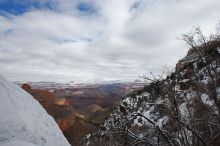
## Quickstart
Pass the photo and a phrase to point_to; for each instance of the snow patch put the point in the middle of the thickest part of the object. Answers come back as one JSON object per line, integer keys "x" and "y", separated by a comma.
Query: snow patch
{"x": 218, "y": 49}
{"x": 184, "y": 111}
{"x": 206, "y": 100}
{"x": 162, "y": 121}
{"x": 218, "y": 92}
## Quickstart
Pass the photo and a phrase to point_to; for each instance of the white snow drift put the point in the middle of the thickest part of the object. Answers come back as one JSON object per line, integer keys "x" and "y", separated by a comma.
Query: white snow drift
{"x": 23, "y": 121}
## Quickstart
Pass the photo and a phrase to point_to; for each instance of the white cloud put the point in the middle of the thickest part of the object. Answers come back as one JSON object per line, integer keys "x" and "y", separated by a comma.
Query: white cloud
{"x": 119, "y": 40}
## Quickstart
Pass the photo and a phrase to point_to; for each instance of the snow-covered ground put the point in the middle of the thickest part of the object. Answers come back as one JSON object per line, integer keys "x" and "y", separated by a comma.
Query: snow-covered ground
{"x": 24, "y": 122}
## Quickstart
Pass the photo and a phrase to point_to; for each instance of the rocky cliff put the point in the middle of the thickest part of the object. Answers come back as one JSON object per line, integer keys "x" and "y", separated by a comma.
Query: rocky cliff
{"x": 181, "y": 110}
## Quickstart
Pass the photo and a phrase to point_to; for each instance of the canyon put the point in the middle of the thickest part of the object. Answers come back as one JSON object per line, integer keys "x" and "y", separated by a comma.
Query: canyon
{"x": 79, "y": 109}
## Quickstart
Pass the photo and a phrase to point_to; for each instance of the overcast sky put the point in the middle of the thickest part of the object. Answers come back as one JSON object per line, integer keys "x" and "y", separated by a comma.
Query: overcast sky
{"x": 96, "y": 40}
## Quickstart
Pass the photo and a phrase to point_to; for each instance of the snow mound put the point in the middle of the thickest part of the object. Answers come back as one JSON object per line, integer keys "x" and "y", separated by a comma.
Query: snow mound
{"x": 24, "y": 120}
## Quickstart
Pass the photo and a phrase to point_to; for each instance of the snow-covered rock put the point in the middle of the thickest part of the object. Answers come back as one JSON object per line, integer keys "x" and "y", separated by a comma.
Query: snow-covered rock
{"x": 167, "y": 107}
{"x": 24, "y": 122}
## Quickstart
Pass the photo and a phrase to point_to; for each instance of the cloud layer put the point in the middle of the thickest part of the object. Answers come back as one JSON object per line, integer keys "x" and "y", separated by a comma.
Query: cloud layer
{"x": 93, "y": 41}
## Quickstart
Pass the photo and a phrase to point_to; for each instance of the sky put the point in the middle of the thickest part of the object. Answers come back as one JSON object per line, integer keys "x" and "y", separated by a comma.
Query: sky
{"x": 96, "y": 40}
